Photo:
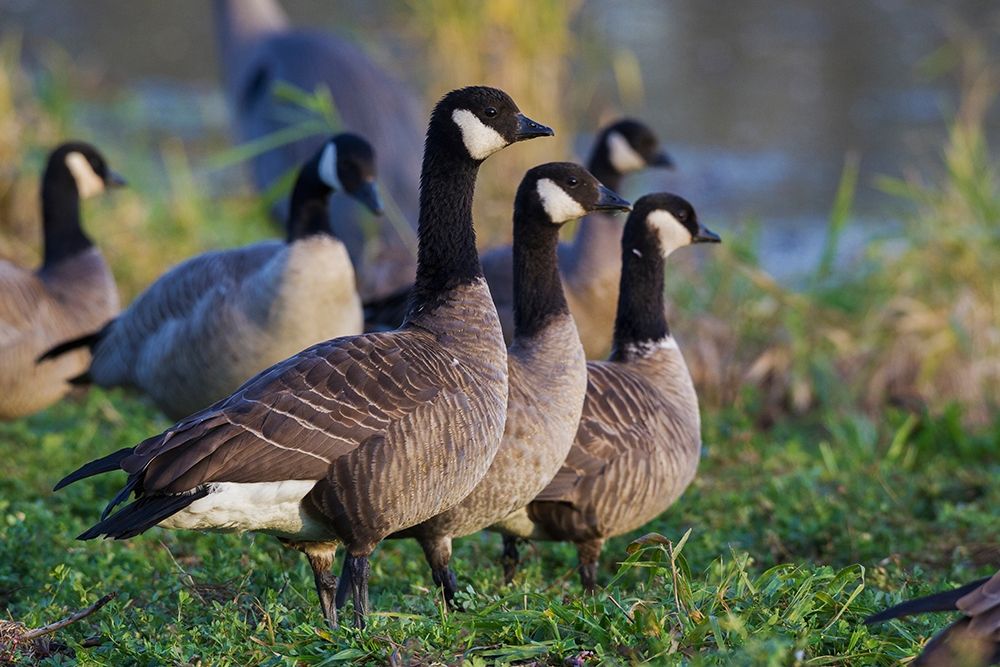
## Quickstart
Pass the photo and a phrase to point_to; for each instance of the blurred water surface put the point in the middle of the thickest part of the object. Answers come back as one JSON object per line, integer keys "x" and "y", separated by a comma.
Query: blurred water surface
{"x": 759, "y": 101}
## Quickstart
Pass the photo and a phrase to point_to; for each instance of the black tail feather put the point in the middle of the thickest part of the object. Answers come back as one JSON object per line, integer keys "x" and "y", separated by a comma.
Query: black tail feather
{"x": 121, "y": 496}
{"x": 945, "y": 601}
{"x": 87, "y": 340}
{"x": 101, "y": 465}
{"x": 343, "y": 585}
{"x": 142, "y": 515}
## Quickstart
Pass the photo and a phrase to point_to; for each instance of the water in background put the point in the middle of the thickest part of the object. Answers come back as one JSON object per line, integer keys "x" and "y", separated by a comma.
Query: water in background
{"x": 759, "y": 101}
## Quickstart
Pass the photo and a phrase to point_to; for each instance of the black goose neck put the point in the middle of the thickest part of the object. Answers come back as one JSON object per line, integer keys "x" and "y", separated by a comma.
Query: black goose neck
{"x": 600, "y": 165}
{"x": 538, "y": 292}
{"x": 446, "y": 251}
{"x": 640, "y": 318}
{"x": 309, "y": 208}
{"x": 63, "y": 235}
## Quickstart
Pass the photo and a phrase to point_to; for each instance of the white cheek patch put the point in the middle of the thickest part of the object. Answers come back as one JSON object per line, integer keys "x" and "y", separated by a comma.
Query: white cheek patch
{"x": 88, "y": 183}
{"x": 623, "y": 157}
{"x": 328, "y": 167}
{"x": 557, "y": 203}
{"x": 480, "y": 140}
{"x": 672, "y": 233}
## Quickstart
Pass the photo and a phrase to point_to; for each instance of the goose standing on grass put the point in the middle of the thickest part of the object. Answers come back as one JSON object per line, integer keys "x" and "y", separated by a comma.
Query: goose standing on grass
{"x": 639, "y": 438}
{"x": 259, "y": 51}
{"x": 360, "y": 437}
{"x": 546, "y": 366}
{"x": 971, "y": 641}
{"x": 589, "y": 264}
{"x": 215, "y": 320}
{"x": 71, "y": 293}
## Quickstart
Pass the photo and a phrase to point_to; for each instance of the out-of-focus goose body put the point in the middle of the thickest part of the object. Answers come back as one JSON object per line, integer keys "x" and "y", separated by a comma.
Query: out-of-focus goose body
{"x": 358, "y": 437}
{"x": 639, "y": 440}
{"x": 259, "y": 51}
{"x": 589, "y": 264}
{"x": 72, "y": 293}
{"x": 213, "y": 321}
{"x": 971, "y": 641}
{"x": 546, "y": 366}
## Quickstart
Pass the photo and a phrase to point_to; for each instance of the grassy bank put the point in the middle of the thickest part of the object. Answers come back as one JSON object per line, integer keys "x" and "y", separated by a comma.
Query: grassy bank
{"x": 850, "y": 459}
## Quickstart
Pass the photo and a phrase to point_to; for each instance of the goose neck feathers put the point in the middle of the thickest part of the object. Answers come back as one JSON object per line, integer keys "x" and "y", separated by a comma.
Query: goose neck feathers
{"x": 63, "y": 235}
{"x": 641, "y": 320}
{"x": 538, "y": 292}
{"x": 309, "y": 211}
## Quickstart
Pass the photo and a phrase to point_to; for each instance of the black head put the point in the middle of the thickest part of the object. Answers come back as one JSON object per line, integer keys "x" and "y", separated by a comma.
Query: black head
{"x": 478, "y": 121}
{"x": 664, "y": 222}
{"x": 565, "y": 191}
{"x": 632, "y": 146}
{"x": 85, "y": 165}
{"x": 347, "y": 163}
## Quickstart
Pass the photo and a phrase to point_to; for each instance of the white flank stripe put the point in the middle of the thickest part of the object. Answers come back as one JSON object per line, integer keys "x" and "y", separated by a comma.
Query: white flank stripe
{"x": 268, "y": 507}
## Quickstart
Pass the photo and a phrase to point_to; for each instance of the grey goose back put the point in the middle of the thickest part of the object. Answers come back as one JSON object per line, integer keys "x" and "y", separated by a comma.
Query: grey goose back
{"x": 72, "y": 293}
{"x": 213, "y": 321}
{"x": 545, "y": 363}
{"x": 971, "y": 641}
{"x": 589, "y": 263}
{"x": 639, "y": 440}
{"x": 260, "y": 52}
{"x": 360, "y": 437}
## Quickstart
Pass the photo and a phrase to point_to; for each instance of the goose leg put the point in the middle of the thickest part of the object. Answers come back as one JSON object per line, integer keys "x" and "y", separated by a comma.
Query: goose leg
{"x": 321, "y": 562}
{"x": 437, "y": 551}
{"x": 510, "y": 558}
{"x": 589, "y": 553}
{"x": 359, "y": 571}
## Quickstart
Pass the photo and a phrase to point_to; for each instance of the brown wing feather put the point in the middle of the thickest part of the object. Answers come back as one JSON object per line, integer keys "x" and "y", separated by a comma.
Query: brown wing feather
{"x": 294, "y": 419}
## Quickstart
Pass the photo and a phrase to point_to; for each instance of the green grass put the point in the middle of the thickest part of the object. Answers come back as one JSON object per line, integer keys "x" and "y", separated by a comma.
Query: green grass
{"x": 785, "y": 542}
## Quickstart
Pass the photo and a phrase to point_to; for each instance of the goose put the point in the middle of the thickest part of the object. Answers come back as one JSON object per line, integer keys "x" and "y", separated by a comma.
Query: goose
{"x": 358, "y": 437}
{"x": 639, "y": 439}
{"x": 72, "y": 292}
{"x": 545, "y": 364}
{"x": 259, "y": 50}
{"x": 589, "y": 264}
{"x": 973, "y": 640}
{"x": 213, "y": 321}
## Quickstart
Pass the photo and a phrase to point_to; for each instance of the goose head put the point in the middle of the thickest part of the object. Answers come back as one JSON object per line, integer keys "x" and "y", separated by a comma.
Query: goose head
{"x": 564, "y": 191}
{"x": 630, "y": 145}
{"x": 479, "y": 121}
{"x": 85, "y": 165}
{"x": 662, "y": 223}
{"x": 347, "y": 162}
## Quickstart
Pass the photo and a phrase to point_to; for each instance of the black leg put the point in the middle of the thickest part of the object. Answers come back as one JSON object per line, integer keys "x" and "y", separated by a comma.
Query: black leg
{"x": 360, "y": 569}
{"x": 445, "y": 578}
{"x": 589, "y": 552}
{"x": 326, "y": 584}
{"x": 510, "y": 558}
{"x": 437, "y": 551}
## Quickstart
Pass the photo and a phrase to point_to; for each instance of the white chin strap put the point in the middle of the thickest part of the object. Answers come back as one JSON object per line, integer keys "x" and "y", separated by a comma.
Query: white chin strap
{"x": 557, "y": 203}
{"x": 328, "y": 166}
{"x": 480, "y": 140}
{"x": 88, "y": 183}
{"x": 623, "y": 157}
{"x": 672, "y": 233}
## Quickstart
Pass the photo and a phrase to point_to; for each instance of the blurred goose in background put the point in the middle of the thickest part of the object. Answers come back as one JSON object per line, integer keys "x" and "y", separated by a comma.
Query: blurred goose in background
{"x": 259, "y": 50}
{"x": 359, "y": 437}
{"x": 639, "y": 438}
{"x": 213, "y": 321}
{"x": 73, "y": 292}
{"x": 589, "y": 264}
{"x": 971, "y": 641}
{"x": 547, "y": 369}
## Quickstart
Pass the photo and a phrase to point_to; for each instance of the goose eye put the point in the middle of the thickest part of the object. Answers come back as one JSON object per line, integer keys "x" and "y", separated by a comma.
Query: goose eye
{"x": 490, "y": 112}
{"x": 572, "y": 181}
{"x": 682, "y": 216}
